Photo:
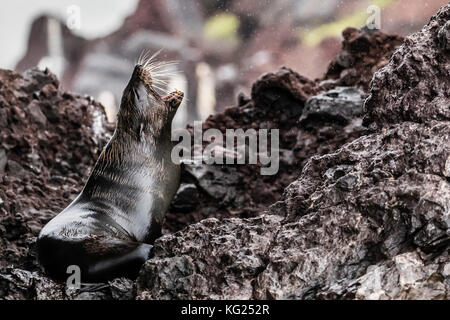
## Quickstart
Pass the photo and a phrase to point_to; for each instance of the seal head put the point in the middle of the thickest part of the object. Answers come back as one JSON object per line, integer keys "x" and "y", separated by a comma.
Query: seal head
{"x": 143, "y": 109}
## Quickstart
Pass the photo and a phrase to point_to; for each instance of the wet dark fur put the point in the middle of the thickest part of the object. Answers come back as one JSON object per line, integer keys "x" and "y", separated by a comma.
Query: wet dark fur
{"x": 108, "y": 229}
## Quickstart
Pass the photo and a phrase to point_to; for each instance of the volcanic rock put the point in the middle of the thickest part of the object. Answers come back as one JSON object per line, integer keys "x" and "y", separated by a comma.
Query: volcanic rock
{"x": 370, "y": 220}
{"x": 351, "y": 214}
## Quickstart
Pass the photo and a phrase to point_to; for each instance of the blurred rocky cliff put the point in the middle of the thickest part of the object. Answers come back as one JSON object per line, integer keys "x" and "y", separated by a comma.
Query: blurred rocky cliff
{"x": 360, "y": 208}
{"x": 222, "y": 46}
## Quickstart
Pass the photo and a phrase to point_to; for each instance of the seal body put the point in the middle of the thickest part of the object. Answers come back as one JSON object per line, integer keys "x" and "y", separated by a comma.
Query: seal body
{"x": 107, "y": 231}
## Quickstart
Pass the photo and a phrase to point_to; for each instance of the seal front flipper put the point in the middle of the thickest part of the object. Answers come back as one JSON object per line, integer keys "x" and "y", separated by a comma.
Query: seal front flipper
{"x": 100, "y": 258}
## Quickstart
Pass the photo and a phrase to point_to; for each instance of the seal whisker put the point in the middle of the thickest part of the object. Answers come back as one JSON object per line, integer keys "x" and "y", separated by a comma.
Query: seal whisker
{"x": 160, "y": 72}
{"x": 141, "y": 56}
{"x": 149, "y": 60}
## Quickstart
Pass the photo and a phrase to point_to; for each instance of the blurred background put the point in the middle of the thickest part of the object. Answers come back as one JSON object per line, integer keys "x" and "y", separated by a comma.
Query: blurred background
{"x": 222, "y": 45}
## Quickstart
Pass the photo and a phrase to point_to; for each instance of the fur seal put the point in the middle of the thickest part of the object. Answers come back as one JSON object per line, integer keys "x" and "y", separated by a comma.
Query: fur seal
{"x": 108, "y": 230}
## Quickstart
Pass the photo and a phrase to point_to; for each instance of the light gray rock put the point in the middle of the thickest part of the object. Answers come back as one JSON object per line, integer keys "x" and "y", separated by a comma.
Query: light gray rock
{"x": 340, "y": 105}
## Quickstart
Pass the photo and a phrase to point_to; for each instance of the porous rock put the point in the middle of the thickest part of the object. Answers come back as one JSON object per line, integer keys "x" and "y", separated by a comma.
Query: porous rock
{"x": 415, "y": 85}
{"x": 351, "y": 215}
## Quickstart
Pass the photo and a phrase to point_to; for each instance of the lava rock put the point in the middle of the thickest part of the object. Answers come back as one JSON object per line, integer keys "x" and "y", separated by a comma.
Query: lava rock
{"x": 390, "y": 197}
{"x": 355, "y": 214}
{"x": 417, "y": 75}
{"x": 3, "y": 160}
{"x": 369, "y": 220}
{"x": 19, "y": 284}
{"x": 340, "y": 105}
{"x": 122, "y": 289}
{"x": 444, "y": 36}
{"x": 41, "y": 127}
{"x": 223, "y": 270}
{"x": 36, "y": 113}
{"x": 363, "y": 52}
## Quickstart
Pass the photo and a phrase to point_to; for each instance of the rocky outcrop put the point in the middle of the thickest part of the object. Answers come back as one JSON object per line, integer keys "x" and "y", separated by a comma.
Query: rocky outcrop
{"x": 363, "y": 52}
{"x": 338, "y": 105}
{"x": 370, "y": 220}
{"x": 361, "y": 208}
{"x": 330, "y": 114}
{"x": 415, "y": 86}
{"x": 279, "y": 100}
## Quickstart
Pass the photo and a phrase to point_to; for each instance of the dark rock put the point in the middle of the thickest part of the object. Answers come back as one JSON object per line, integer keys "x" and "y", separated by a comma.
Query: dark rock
{"x": 363, "y": 52}
{"x": 369, "y": 220}
{"x": 3, "y": 160}
{"x": 333, "y": 229}
{"x": 36, "y": 113}
{"x": 35, "y": 163}
{"x": 417, "y": 75}
{"x": 243, "y": 99}
{"x": 186, "y": 198}
{"x": 277, "y": 101}
{"x": 32, "y": 152}
{"x": 287, "y": 157}
{"x": 98, "y": 295}
{"x": 444, "y": 36}
{"x": 13, "y": 168}
{"x": 351, "y": 214}
{"x": 21, "y": 284}
{"x": 224, "y": 270}
{"x": 276, "y": 87}
{"x": 345, "y": 59}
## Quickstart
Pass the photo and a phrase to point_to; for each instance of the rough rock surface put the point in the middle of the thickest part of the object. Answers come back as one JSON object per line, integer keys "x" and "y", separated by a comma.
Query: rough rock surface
{"x": 376, "y": 198}
{"x": 352, "y": 213}
{"x": 48, "y": 141}
{"x": 341, "y": 105}
{"x": 363, "y": 52}
{"x": 370, "y": 220}
{"x": 278, "y": 100}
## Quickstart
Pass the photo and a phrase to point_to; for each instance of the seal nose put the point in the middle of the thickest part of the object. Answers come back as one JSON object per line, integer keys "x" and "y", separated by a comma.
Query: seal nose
{"x": 179, "y": 94}
{"x": 178, "y": 97}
